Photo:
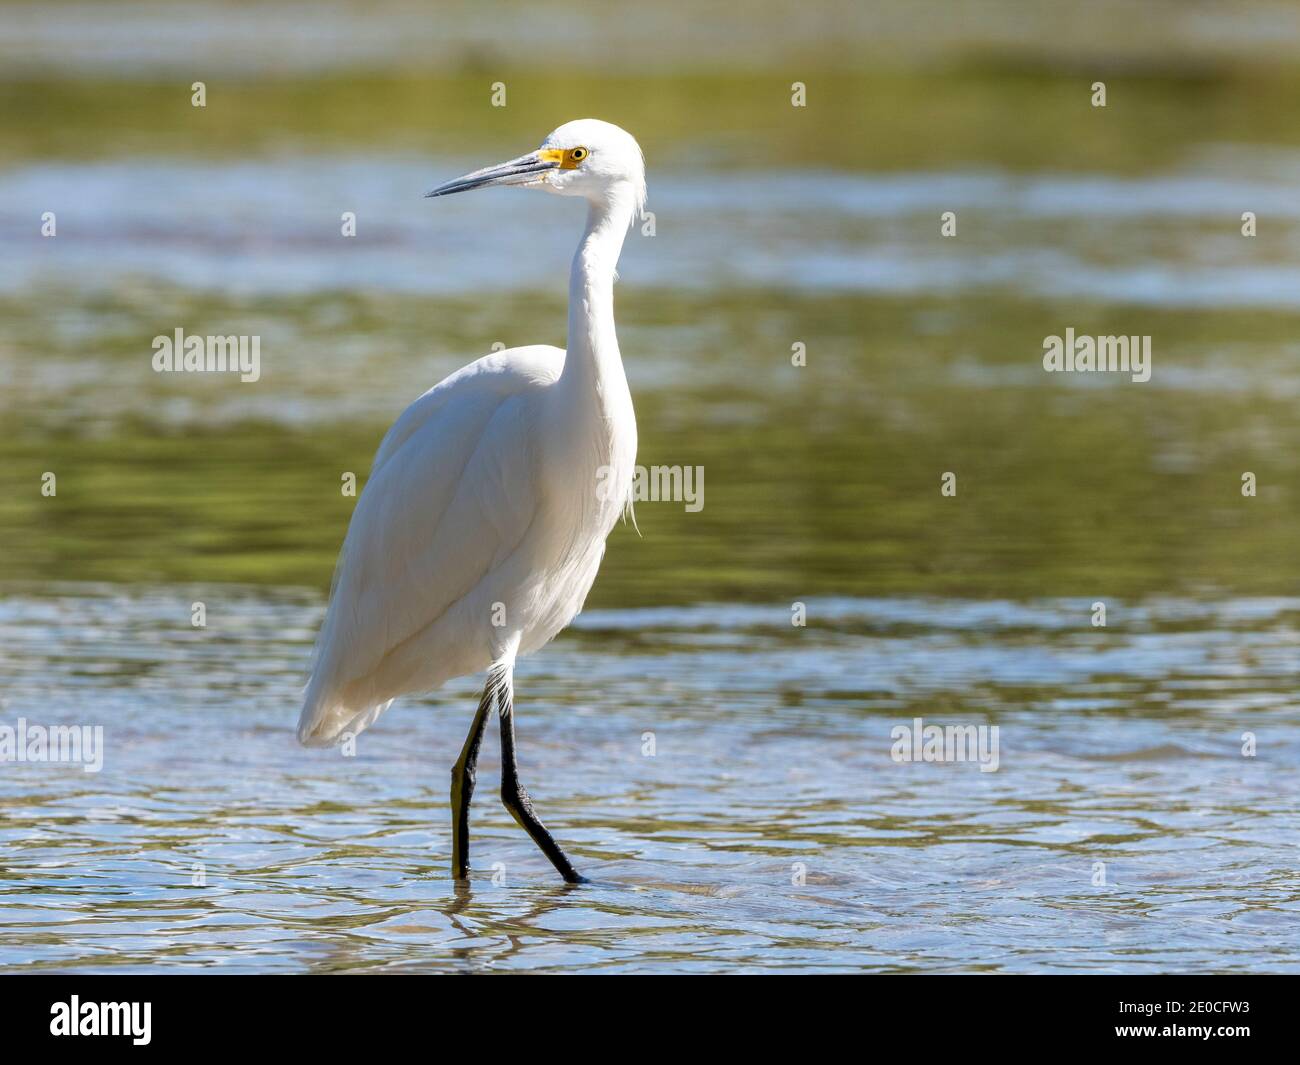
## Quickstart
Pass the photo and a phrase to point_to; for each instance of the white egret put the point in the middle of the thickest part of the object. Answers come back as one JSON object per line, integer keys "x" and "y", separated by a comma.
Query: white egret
{"x": 484, "y": 520}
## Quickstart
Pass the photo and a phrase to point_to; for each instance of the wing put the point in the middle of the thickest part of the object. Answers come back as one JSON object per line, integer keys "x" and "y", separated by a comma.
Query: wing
{"x": 450, "y": 494}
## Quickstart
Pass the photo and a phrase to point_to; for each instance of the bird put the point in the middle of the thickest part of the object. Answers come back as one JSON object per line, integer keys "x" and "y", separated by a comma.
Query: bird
{"x": 483, "y": 522}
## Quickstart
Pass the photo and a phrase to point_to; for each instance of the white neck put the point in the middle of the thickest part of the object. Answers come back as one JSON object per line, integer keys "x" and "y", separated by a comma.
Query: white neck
{"x": 593, "y": 357}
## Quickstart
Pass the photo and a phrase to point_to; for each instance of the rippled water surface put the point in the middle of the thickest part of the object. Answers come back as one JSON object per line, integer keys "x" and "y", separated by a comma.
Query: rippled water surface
{"x": 1122, "y": 830}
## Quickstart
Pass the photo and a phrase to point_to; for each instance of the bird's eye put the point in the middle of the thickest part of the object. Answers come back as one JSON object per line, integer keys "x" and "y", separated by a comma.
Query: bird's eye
{"x": 579, "y": 154}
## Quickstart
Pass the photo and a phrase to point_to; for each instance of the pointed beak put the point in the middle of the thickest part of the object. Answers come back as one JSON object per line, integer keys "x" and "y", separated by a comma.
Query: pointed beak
{"x": 526, "y": 170}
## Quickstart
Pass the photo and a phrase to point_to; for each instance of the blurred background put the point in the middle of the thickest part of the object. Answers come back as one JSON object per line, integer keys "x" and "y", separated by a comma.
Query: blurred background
{"x": 774, "y": 225}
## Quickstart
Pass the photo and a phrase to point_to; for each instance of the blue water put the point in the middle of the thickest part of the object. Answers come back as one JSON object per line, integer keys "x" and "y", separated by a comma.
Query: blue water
{"x": 1120, "y": 746}
{"x": 272, "y": 226}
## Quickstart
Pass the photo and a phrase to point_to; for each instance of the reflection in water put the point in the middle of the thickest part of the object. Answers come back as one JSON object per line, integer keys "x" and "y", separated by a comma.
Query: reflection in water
{"x": 770, "y": 830}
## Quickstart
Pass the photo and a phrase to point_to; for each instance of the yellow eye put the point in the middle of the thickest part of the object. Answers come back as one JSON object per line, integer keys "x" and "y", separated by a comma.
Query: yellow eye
{"x": 579, "y": 154}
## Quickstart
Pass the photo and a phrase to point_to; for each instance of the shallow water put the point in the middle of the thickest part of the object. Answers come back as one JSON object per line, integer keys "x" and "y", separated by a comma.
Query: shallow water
{"x": 1143, "y": 810}
{"x": 772, "y": 748}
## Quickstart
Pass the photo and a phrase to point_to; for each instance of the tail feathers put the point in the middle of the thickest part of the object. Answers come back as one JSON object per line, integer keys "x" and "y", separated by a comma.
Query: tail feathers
{"x": 325, "y": 721}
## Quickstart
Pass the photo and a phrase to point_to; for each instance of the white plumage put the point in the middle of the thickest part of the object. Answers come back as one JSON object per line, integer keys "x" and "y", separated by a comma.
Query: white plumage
{"x": 483, "y": 523}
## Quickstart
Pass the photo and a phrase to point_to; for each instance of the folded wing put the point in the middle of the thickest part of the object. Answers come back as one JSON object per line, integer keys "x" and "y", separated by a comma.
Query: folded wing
{"x": 450, "y": 495}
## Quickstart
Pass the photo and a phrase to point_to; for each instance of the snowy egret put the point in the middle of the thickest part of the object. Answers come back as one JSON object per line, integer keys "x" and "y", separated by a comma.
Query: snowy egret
{"x": 484, "y": 520}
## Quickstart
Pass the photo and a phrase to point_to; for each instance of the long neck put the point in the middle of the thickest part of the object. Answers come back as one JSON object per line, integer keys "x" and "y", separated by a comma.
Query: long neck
{"x": 593, "y": 357}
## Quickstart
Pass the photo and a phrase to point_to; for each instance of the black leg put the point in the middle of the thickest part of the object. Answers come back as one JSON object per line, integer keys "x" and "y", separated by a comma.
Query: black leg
{"x": 516, "y": 798}
{"x": 462, "y": 786}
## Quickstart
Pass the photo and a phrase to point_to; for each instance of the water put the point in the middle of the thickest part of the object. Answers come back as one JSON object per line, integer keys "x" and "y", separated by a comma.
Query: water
{"x": 772, "y": 746}
{"x": 271, "y": 227}
{"x": 1130, "y": 824}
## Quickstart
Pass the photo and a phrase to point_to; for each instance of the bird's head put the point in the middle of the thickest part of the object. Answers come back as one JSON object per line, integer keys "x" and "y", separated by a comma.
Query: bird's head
{"x": 589, "y": 158}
